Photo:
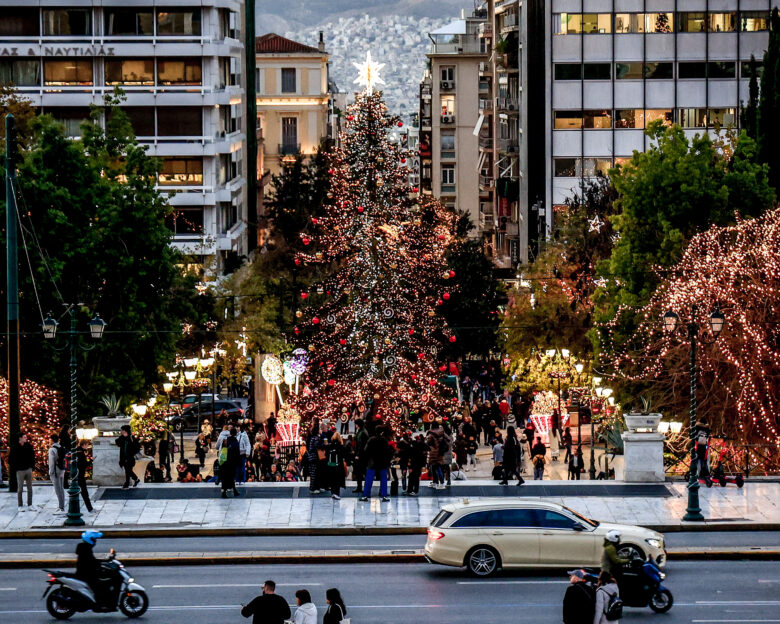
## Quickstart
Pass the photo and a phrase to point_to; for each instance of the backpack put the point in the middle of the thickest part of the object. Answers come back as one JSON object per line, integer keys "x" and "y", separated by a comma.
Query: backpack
{"x": 333, "y": 456}
{"x": 443, "y": 446}
{"x": 61, "y": 453}
{"x": 614, "y": 609}
{"x": 223, "y": 454}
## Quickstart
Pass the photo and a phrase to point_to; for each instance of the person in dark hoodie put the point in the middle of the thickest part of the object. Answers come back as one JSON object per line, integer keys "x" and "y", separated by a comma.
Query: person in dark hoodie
{"x": 579, "y": 600}
{"x": 377, "y": 455}
{"x": 128, "y": 447}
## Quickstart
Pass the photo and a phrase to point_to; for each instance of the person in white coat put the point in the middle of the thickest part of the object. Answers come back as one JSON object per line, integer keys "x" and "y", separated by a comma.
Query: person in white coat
{"x": 607, "y": 588}
{"x": 306, "y": 613}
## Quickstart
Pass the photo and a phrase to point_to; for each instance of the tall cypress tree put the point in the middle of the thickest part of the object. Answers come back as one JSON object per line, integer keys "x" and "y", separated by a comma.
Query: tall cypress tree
{"x": 769, "y": 104}
{"x": 749, "y": 113}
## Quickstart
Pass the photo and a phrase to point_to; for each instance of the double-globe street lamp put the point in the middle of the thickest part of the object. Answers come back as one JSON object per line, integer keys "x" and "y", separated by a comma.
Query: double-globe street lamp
{"x": 716, "y": 322}
{"x": 96, "y": 327}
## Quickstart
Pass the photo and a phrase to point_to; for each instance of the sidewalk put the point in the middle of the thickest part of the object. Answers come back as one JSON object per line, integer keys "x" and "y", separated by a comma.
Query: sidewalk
{"x": 756, "y": 506}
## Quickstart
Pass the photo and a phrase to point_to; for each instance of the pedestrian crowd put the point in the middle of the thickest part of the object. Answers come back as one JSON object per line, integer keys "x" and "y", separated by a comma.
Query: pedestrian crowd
{"x": 270, "y": 608}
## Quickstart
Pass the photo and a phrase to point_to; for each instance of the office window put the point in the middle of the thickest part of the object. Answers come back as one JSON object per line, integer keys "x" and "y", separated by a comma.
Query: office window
{"x": 664, "y": 114}
{"x": 622, "y": 160}
{"x": 19, "y": 22}
{"x": 135, "y": 71}
{"x": 659, "y": 71}
{"x": 691, "y": 22}
{"x": 723, "y": 117}
{"x": 659, "y": 22}
{"x": 597, "y": 71}
{"x": 448, "y": 175}
{"x": 228, "y": 216}
{"x": 180, "y": 121}
{"x": 60, "y": 22}
{"x": 746, "y": 70}
{"x": 142, "y": 120}
{"x": 129, "y": 22}
{"x": 598, "y": 119}
{"x": 568, "y": 119}
{"x": 753, "y": 21}
{"x": 629, "y": 118}
{"x": 629, "y": 71}
{"x": 186, "y": 221}
{"x": 596, "y": 166}
{"x": 568, "y": 71}
{"x": 178, "y": 22}
{"x": 567, "y": 23}
{"x": 69, "y": 116}
{"x": 690, "y": 70}
{"x": 597, "y": 23}
{"x": 721, "y": 69}
{"x": 288, "y": 80}
{"x": 722, "y": 22}
{"x": 180, "y": 171}
{"x": 692, "y": 117}
{"x": 447, "y": 145}
{"x": 566, "y": 167}
{"x": 20, "y": 73}
{"x": 289, "y": 135}
{"x": 179, "y": 71}
{"x": 448, "y": 73}
{"x": 447, "y": 105}
{"x": 626, "y": 23}
{"x": 70, "y": 72}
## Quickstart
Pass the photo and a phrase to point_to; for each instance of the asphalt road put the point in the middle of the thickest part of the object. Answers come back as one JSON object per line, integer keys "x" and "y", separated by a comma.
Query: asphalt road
{"x": 367, "y": 542}
{"x": 705, "y": 593}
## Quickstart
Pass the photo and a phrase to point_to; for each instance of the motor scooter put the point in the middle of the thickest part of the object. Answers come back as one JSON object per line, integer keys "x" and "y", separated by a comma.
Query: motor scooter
{"x": 640, "y": 585}
{"x": 117, "y": 590}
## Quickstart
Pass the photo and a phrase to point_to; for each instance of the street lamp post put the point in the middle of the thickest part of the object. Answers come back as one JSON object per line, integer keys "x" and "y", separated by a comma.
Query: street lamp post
{"x": 96, "y": 327}
{"x": 716, "y": 322}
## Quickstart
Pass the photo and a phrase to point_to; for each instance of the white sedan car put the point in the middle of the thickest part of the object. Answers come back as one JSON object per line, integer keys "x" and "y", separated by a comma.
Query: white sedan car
{"x": 486, "y": 536}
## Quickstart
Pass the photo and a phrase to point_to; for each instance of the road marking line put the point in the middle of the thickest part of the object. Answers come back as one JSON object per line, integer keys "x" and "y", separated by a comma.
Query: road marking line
{"x": 233, "y": 585}
{"x": 714, "y": 621}
{"x": 7, "y": 588}
{"x": 510, "y": 582}
{"x": 718, "y": 603}
{"x": 769, "y": 580}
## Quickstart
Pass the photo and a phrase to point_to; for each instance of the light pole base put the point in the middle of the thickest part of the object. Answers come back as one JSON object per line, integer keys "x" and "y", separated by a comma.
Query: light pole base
{"x": 693, "y": 515}
{"x": 74, "y": 521}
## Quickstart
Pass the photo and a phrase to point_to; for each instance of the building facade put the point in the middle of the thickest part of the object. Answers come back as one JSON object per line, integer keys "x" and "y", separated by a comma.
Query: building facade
{"x": 180, "y": 67}
{"x": 450, "y": 119}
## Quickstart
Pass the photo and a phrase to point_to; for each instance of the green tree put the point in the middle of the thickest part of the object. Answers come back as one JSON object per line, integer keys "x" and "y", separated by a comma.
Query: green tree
{"x": 749, "y": 112}
{"x": 769, "y": 103}
{"x": 93, "y": 226}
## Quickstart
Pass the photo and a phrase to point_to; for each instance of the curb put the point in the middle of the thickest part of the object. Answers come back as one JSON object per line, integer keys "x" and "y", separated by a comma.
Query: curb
{"x": 198, "y": 559}
{"x": 183, "y": 531}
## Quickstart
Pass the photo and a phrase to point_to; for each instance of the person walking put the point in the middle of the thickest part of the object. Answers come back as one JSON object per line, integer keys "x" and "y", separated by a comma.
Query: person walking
{"x": 244, "y": 450}
{"x": 128, "y": 447}
{"x": 57, "y": 472}
{"x": 200, "y": 449}
{"x": 359, "y": 464}
{"x": 23, "y": 460}
{"x": 315, "y": 452}
{"x": 337, "y": 610}
{"x": 306, "y": 613}
{"x": 164, "y": 449}
{"x": 334, "y": 455}
{"x": 378, "y": 455}
{"x": 511, "y": 457}
{"x": 574, "y": 472}
{"x": 606, "y": 592}
{"x": 567, "y": 443}
{"x": 81, "y": 465}
{"x": 538, "y": 460}
{"x": 418, "y": 456}
{"x": 228, "y": 461}
{"x": 435, "y": 444}
{"x": 579, "y": 600}
{"x": 268, "y": 607}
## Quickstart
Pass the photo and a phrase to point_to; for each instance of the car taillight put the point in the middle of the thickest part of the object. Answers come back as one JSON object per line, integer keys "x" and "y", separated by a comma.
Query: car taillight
{"x": 240, "y": 411}
{"x": 434, "y": 534}
{"x": 51, "y": 578}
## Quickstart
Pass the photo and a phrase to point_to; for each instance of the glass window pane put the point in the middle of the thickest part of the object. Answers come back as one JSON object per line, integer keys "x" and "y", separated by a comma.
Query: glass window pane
{"x": 659, "y": 22}
{"x": 664, "y": 114}
{"x": 181, "y": 71}
{"x": 629, "y": 118}
{"x": 568, "y": 71}
{"x": 597, "y": 119}
{"x": 629, "y": 22}
{"x": 597, "y": 71}
{"x": 19, "y": 22}
{"x": 691, "y": 70}
{"x": 179, "y": 121}
{"x": 186, "y": 221}
{"x": 746, "y": 71}
{"x": 572, "y": 23}
{"x": 178, "y": 22}
{"x": 659, "y": 71}
{"x": 552, "y": 519}
{"x": 513, "y": 518}
{"x": 753, "y": 21}
{"x": 721, "y": 69}
{"x": 142, "y": 119}
{"x": 476, "y": 519}
{"x": 596, "y": 23}
{"x": 566, "y": 167}
{"x": 70, "y": 72}
{"x": 722, "y": 117}
{"x": 568, "y": 119}
{"x": 447, "y": 141}
{"x": 136, "y": 71}
{"x": 691, "y": 22}
{"x": 59, "y": 22}
{"x": 181, "y": 172}
{"x": 693, "y": 117}
{"x": 288, "y": 80}
{"x": 129, "y": 22}
{"x": 69, "y": 116}
{"x": 628, "y": 71}
{"x": 722, "y": 22}
{"x": 20, "y": 73}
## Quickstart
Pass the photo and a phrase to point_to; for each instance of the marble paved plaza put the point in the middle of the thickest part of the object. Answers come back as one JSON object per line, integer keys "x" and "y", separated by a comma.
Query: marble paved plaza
{"x": 757, "y": 502}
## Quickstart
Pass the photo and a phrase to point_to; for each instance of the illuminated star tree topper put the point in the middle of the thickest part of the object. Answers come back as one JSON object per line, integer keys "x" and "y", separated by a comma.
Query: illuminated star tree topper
{"x": 369, "y": 73}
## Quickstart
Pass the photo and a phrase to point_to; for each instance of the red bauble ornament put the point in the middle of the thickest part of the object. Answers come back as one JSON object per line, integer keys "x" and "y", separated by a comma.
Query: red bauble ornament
{"x": 331, "y": 382}
{"x": 442, "y": 237}
{"x": 342, "y": 341}
{"x": 452, "y": 339}
{"x": 403, "y": 161}
{"x": 316, "y": 320}
{"x": 452, "y": 273}
{"x": 443, "y": 368}
{"x": 360, "y": 209}
{"x": 351, "y": 117}
{"x": 305, "y": 240}
{"x": 297, "y": 262}
{"x": 439, "y": 302}
{"x": 304, "y": 295}
{"x": 431, "y": 382}
{"x": 415, "y": 189}
{"x": 413, "y": 376}
{"x": 421, "y": 356}
{"x": 400, "y": 124}
{"x": 315, "y": 220}
{"x": 411, "y": 331}
{"x": 446, "y": 296}
{"x": 331, "y": 171}
{"x": 296, "y": 330}
{"x": 327, "y": 292}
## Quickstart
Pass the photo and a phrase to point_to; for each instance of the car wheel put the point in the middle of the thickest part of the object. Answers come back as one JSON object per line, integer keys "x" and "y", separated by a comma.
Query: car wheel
{"x": 661, "y": 601}
{"x": 629, "y": 551}
{"x": 483, "y": 561}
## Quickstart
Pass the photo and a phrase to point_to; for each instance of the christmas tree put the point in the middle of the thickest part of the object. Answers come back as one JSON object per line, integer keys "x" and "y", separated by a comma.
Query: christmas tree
{"x": 371, "y": 328}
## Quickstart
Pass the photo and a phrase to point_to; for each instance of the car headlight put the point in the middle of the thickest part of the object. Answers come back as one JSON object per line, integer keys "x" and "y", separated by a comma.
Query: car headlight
{"x": 655, "y": 543}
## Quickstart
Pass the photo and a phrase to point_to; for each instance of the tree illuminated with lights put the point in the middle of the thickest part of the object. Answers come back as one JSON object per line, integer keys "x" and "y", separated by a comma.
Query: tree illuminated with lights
{"x": 372, "y": 328}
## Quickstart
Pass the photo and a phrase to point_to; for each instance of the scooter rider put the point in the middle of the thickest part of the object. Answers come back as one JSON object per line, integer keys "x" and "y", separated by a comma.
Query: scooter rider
{"x": 610, "y": 560}
{"x": 87, "y": 565}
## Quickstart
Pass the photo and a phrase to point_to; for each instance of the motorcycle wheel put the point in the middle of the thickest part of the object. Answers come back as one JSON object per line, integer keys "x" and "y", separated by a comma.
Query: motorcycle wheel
{"x": 55, "y": 605}
{"x": 661, "y": 601}
{"x": 134, "y": 603}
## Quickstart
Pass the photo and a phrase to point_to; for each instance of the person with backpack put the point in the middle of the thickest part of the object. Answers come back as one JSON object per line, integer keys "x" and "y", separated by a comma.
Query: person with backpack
{"x": 57, "y": 472}
{"x": 337, "y": 611}
{"x": 334, "y": 455}
{"x": 378, "y": 456}
{"x": 609, "y": 606}
{"x": 579, "y": 601}
{"x": 228, "y": 461}
{"x": 128, "y": 448}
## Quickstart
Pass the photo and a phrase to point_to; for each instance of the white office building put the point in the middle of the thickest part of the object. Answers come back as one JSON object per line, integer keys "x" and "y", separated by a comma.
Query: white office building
{"x": 180, "y": 65}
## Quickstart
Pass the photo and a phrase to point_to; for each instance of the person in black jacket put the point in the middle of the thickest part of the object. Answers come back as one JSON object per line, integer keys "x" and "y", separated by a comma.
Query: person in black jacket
{"x": 128, "y": 447}
{"x": 334, "y": 456}
{"x": 418, "y": 458}
{"x": 23, "y": 461}
{"x": 81, "y": 465}
{"x": 227, "y": 470}
{"x": 268, "y": 607}
{"x": 377, "y": 455}
{"x": 511, "y": 458}
{"x": 337, "y": 610}
{"x": 579, "y": 601}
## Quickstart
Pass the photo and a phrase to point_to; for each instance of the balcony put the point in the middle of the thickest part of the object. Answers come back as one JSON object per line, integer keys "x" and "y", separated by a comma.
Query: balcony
{"x": 486, "y": 105}
{"x": 448, "y": 119}
{"x": 447, "y": 85}
{"x": 508, "y": 104}
{"x": 486, "y": 182}
{"x": 509, "y": 23}
{"x": 486, "y": 219}
{"x": 509, "y": 146}
{"x": 485, "y": 29}
{"x": 486, "y": 142}
{"x": 289, "y": 149}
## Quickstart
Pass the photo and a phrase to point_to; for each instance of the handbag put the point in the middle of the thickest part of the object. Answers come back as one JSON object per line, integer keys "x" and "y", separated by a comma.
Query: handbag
{"x": 343, "y": 620}
{"x": 321, "y": 454}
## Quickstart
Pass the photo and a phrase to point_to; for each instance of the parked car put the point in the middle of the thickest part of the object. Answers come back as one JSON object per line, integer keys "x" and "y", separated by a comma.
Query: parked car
{"x": 188, "y": 419}
{"x": 192, "y": 399}
{"x": 485, "y": 537}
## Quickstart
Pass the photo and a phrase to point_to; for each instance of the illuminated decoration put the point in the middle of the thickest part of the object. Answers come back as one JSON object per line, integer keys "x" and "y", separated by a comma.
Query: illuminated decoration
{"x": 242, "y": 342}
{"x": 595, "y": 224}
{"x": 735, "y": 269}
{"x": 376, "y": 332}
{"x": 369, "y": 74}
{"x": 289, "y": 375}
{"x": 41, "y": 413}
{"x": 299, "y": 361}
{"x": 272, "y": 370}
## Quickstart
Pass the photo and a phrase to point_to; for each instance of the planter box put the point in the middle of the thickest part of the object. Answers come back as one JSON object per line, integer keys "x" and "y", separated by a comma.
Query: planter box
{"x": 643, "y": 423}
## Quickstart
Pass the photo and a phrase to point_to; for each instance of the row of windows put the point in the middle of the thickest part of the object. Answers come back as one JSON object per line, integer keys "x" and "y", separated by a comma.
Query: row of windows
{"x": 605, "y": 119}
{"x": 147, "y": 121}
{"x": 129, "y": 72}
{"x": 637, "y": 70}
{"x": 605, "y": 23}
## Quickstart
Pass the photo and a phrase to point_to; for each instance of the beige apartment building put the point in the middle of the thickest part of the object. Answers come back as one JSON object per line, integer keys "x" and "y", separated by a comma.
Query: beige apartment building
{"x": 450, "y": 119}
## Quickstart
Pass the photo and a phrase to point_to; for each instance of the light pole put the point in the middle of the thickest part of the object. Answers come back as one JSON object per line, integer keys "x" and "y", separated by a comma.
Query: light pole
{"x": 561, "y": 370}
{"x": 96, "y": 327}
{"x": 716, "y": 321}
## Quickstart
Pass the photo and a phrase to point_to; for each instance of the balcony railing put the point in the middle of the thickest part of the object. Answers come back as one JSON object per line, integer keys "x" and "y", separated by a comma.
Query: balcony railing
{"x": 485, "y": 29}
{"x": 486, "y": 142}
{"x": 509, "y": 21}
{"x": 486, "y": 181}
{"x": 510, "y": 146}
{"x": 508, "y": 103}
{"x": 289, "y": 149}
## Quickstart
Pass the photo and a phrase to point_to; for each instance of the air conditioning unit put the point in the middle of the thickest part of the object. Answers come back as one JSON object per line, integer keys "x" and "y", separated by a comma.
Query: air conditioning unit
{"x": 483, "y": 66}
{"x": 511, "y": 106}
{"x": 448, "y": 119}
{"x": 447, "y": 85}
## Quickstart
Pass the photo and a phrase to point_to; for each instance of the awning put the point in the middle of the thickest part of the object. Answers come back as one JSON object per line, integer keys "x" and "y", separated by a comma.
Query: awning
{"x": 481, "y": 161}
{"x": 458, "y": 27}
{"x": 478, "y": 127}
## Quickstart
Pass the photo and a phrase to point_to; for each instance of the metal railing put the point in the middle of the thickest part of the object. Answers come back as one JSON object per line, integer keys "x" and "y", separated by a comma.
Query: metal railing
{"x": 508, "y": 103}
{"x": 289, "y": 149}
{"x": 734, "y": 457}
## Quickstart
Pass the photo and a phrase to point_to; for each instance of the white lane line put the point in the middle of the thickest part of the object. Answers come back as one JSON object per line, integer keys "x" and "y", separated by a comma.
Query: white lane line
{"x": 723, "y": 621}
{"x": 769, "y": 580}
{"x": 717, "y": 603}
{"x": 234, "y": 585}
{"x": 7, "y": 588}
{"x": 510, "y": 582}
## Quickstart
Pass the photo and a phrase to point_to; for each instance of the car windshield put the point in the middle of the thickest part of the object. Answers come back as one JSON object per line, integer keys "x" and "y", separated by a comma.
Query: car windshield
{"x": 579, "y": 516}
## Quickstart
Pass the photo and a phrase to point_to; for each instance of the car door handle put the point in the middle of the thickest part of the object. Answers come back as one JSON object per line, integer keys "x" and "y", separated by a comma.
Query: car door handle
{"x": 498, "y": 532}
